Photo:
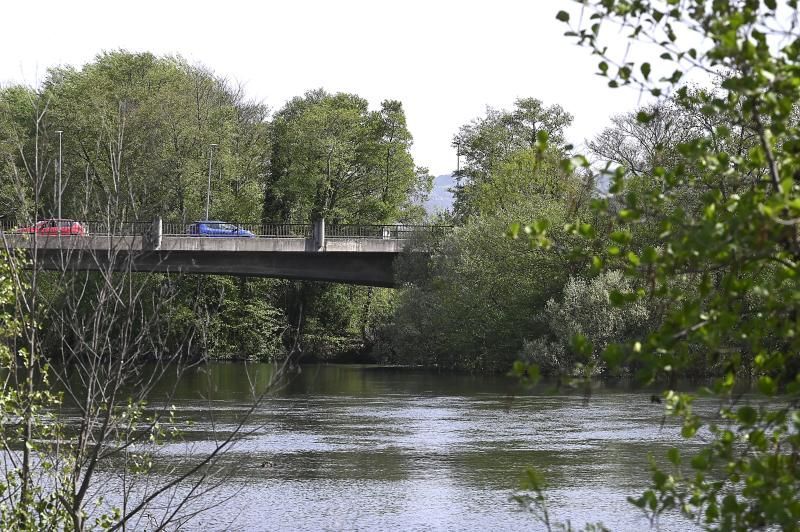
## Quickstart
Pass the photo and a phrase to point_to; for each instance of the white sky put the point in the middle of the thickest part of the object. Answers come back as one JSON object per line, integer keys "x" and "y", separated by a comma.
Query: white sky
{"x": 445, "y": 60}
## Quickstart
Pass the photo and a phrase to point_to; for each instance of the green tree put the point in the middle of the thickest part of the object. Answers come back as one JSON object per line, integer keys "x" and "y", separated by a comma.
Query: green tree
{"x": 136, "y": 132}
{"x": 584, "y": 310}
{"x": 469, "y": 305}
{"x": 334, "y": 158}
{"x": 727, "y": 266}
{"x": 486, "y": 143}
{"x": 473, "y": 298}
{"x": 23, "y": 148}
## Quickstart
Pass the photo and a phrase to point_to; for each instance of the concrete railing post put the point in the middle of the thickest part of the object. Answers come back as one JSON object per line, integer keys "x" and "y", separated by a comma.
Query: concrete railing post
{"x": 151, "y": 239}
{"x": 318, "y": 234}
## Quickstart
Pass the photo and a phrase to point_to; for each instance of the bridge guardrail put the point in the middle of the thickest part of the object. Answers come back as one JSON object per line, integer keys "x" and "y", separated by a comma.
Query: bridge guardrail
{"x": 270, "y": 230}
{"x": 7, "y": 226}
{"x": 103, "y": 228}
{"x": 386, "y": 231}
{"x": 92, "y": 227}
{"x": 288, "y": 230}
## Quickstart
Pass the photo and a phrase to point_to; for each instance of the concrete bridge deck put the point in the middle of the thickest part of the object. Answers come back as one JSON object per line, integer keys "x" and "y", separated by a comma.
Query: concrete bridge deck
{"x": 364, "y": 261}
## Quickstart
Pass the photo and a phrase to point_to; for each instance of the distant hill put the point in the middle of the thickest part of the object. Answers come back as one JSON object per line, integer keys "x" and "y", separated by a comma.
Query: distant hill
{"x": 441, "y": 198}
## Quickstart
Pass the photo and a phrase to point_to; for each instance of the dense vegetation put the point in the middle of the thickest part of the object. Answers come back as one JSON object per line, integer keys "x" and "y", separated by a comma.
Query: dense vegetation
{"x": 684, "y": 261}
{"x": 670, "y": 250}
{"x": 137, "y": 131}
{"x": 704, "y": 209}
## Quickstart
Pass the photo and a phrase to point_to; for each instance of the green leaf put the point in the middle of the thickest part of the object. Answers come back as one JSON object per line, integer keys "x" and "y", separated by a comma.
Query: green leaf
{"x": 616, "y": 298}
{"x": 767, "y": 385}
{"x": 746, "y": 415}
{"x": 613, "y": 355}
{"x": 621, "y": 237}
{"x": 674, "y": 456}
{"x": 563, "y": 16}
{"x": 542, "y": 136}
{"x": 700, "y": 461}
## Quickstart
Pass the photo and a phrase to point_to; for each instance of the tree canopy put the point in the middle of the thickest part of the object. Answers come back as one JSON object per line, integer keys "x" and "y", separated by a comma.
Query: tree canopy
{"x": 332, "y": 157}
{"x": 705, "y": 227}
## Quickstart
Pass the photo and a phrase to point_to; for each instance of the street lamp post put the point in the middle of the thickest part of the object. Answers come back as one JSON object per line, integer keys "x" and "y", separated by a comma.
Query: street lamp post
{"x": 208, "y": 188}
{"x": 60, "y": 160}
{"x": 458, "y": 158}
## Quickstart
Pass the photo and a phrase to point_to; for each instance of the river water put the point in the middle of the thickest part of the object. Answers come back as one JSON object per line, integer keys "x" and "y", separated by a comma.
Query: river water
{"x": 370, "y": 448}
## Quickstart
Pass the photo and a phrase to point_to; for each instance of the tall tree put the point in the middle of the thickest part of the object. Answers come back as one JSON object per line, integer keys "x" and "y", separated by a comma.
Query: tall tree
{"x": 137, "y": 131}
{"x": 473, "y": 299}
{"x": 485, "y": 144}
{"x": 332, "y": 157}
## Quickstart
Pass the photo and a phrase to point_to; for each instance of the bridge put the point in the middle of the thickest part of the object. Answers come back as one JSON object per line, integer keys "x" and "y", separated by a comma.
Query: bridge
{"x": 354, "y": 254}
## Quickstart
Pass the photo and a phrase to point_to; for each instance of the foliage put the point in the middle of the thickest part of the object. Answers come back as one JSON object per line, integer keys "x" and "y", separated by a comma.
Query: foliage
{"x": 487, "y": 143}
{"x": 137, "y": 131}
{"x": 344, "y": 322}
{"x": 239, "y": 318}
{"x": 28, "y": 428}
{"x": 473, "y": 297}
{"x": 334, "y": 158}
{"x": 585, "y": 311}
{"x": 471, "y": 300}
{"x": 726, "y": 264}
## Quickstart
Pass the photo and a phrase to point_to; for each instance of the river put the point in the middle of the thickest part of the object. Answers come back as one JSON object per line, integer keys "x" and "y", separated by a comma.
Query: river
{"x": 371, "y": 448}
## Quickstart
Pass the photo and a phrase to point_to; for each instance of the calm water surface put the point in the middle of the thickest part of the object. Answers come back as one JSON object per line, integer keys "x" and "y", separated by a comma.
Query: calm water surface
{"x": 366, "y": 448}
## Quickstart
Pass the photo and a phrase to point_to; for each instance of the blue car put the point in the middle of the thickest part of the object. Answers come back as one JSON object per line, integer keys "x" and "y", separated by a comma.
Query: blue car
{"x": 218, "y": 228}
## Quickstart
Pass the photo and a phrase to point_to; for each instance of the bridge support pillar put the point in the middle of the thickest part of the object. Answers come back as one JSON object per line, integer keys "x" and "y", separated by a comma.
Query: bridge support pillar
{"x": 151, "y": 239}
{"x": 318, "y": 234}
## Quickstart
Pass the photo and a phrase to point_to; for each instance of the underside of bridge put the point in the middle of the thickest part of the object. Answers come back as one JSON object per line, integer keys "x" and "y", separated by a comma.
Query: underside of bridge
{"x": 371, "y": 269}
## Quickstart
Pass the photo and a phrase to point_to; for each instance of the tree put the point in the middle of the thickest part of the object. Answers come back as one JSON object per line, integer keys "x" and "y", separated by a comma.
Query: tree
{"x": 473, "y": 298}
{"x": 74, "y": 396}
{"x": 584, "y": 310}
{"x": 485, "y": 143}
{"x": 640, "y": 146}
{"x": 137, "y": 130}
{"x": 738, "y": 249}
{"x": 469, "y": 304}
{"x": 334, "y": 158}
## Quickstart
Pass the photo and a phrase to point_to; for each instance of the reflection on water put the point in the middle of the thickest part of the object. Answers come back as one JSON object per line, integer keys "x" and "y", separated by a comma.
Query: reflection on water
{"x": 365, "y": 448}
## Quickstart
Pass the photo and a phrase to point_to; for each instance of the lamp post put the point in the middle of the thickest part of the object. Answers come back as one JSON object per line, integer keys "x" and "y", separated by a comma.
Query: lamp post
{"x": 208, "y": 188}
{"x": 458, "y": 157}
{"x": 59, "y": 172}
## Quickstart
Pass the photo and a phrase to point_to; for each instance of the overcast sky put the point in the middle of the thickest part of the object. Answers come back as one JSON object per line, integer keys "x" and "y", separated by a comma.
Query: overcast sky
{"x": 445, "y": 60}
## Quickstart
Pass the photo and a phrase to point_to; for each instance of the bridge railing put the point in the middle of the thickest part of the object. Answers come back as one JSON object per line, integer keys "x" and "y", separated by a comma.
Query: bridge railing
{"x": 7, "y": 226}
{"x": 259, "y": 230}
{"x": 298, "y": 230}
{"x": 272, "y": 230}
{"x": 91, "y": 227}
{"x": 387, "y": 231}
{"x": 104, "y": 228}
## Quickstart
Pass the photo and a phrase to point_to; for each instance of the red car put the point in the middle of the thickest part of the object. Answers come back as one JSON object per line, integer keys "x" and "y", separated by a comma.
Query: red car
{"x": 55, "y": 227}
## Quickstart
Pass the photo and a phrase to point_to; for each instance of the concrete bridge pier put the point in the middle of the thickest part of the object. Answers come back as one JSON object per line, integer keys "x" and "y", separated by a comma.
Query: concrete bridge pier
{"x": 318, "y": 235}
